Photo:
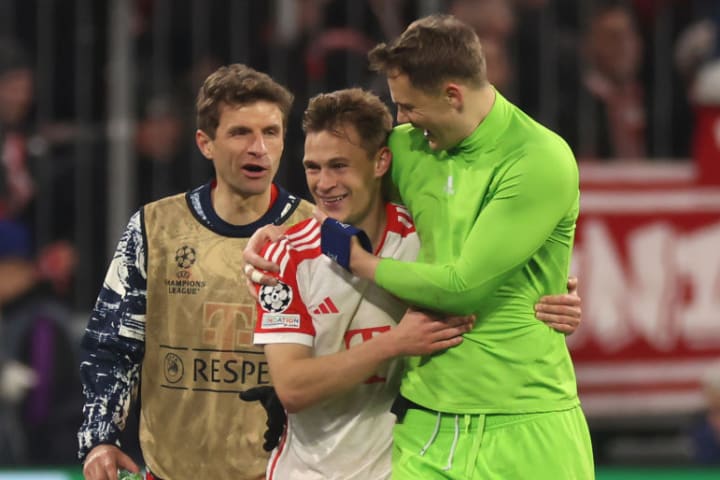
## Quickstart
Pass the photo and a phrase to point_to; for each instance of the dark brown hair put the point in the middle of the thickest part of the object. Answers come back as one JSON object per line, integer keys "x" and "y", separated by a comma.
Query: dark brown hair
{"x": 235, "y": 85}
{"x": 353, "y": 106}
{"x": 432, "y": 50}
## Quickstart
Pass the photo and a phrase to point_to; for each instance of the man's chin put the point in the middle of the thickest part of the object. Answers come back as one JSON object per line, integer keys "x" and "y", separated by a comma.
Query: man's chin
{"x": 331, "y": 210}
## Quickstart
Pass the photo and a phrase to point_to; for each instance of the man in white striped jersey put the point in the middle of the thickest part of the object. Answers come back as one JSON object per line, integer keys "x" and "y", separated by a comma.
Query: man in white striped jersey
{"x": 334, "y": 343}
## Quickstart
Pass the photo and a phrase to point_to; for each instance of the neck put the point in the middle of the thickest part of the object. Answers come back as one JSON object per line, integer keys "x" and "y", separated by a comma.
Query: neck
{"x": 478, "y": 104}
{"x": 374, "y": 223}
{"x": 238, "y": 209}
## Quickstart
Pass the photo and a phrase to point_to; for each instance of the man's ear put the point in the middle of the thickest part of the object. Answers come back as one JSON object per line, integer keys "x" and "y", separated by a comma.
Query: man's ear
{"x": 454, "y": 95}
{"x": 384, "y": 160}
{"x": 204, "y": 143}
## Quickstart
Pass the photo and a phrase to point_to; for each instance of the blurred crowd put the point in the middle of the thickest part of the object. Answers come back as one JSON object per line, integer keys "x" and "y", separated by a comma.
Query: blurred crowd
{"x": 621, "y": 81}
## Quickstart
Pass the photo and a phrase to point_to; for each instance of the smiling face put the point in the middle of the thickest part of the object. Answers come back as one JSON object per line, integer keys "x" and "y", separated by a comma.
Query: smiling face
{"x": 343, "y": 178}
{"x": 431, "y": 113}
{"x": 247, "y": 147}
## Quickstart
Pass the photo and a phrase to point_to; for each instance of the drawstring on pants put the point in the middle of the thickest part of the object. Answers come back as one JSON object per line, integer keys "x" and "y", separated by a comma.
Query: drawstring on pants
{"x": 434, "y": 435}
{"x": 454, "y": 445}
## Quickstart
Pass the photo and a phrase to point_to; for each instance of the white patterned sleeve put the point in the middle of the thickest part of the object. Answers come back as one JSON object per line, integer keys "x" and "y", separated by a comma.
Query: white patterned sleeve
{"x": 114, "y": 343}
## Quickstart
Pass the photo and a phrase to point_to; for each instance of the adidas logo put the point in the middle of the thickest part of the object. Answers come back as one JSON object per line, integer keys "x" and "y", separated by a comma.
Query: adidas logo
{"x": 326, "y": 306}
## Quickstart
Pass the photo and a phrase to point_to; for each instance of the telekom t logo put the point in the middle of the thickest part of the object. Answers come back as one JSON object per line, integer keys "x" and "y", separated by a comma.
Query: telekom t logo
{"x": 228, "y": 326}
{"x": 359, "y": 335}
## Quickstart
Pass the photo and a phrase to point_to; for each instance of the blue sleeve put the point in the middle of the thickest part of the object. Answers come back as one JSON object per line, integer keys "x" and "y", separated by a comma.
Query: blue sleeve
{"x": 14, "y": 240}
{"x": 706, "y": 446}
{"x": 114, "y": 343}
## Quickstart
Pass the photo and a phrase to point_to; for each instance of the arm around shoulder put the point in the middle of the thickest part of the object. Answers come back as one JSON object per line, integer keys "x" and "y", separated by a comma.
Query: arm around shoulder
{"x": 302, "y": 380}
{"x": 532, "y": 198}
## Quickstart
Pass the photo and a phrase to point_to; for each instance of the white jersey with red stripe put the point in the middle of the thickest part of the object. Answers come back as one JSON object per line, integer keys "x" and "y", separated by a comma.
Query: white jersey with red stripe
{"x": 319, "y": 304}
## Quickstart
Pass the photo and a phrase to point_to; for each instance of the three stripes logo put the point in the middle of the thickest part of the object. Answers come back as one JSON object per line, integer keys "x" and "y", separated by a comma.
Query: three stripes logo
{"x": 325, "y": 307}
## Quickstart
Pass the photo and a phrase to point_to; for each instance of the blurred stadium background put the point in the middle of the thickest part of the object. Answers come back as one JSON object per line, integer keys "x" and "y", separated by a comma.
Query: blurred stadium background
{"x": 96, "y": 118}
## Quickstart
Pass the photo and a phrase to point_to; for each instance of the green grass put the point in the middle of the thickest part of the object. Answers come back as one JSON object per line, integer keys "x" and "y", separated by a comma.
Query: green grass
{"x": 657, "y": 474}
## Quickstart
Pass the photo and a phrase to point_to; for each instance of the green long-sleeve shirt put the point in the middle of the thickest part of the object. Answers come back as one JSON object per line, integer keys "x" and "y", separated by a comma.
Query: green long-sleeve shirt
{"x": 496, "y": 218}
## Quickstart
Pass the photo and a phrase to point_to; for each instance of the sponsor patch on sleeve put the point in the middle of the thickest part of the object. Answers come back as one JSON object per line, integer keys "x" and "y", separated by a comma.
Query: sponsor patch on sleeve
{"x": 280, "y": 320}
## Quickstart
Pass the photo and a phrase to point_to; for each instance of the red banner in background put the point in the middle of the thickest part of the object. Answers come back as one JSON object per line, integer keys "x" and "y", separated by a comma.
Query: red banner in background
{"x": 648, "y": 258}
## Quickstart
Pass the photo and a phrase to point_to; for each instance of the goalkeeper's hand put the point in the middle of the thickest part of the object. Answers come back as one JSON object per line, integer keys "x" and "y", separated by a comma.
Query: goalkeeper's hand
{"x": 276, "y": 416}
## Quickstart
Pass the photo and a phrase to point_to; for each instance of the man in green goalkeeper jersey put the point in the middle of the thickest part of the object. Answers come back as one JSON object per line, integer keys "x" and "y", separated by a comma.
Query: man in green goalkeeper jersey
{"x": 494, "y": 196}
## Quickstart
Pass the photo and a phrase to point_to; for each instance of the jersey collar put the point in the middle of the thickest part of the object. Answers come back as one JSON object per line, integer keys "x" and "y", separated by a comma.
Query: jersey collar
{"x": 484, "y": 138}
{"x": 200, "y": 203}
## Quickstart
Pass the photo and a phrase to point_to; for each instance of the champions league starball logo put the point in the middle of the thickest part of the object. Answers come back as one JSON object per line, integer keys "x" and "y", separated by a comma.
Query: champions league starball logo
{"x": 186, "y": 282}
{"x": 185, "y": 256}
{"x": 275, "y": 299}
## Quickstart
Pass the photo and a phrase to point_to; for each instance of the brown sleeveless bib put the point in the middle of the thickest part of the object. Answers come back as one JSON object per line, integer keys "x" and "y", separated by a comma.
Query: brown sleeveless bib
{"x": 198, "y": 351}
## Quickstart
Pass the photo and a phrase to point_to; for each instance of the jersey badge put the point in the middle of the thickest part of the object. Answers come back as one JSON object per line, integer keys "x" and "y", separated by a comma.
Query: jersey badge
{"x": 275, "y": 299}
{"x": 174, "y": 368}
{"x": 449, "y": 186}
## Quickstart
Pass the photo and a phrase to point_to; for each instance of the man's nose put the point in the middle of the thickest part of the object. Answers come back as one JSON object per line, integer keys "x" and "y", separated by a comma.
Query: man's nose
{"x": 258, "y": 147}
{"x": 326, "y": 180}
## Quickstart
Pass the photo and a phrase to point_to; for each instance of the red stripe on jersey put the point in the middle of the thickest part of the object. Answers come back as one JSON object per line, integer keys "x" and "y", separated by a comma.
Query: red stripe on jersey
{"x": 405, "y": 219}
{"x": 302, "y": 231}
{"x": 281, "y": 253}
{"x": 304, "y": 240}
{"x": 270, "y": 249}
{"x": 312, "y": 237}
{"x": 331, "y": 305}
{"x": 275, "y": 252}
{"x": 325, "y": 307}
{"x": 308, "y": 254}
{"x": 273, "y": 195}
{"x": 398, "y": 220}
{"x": 280, "y": 448}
